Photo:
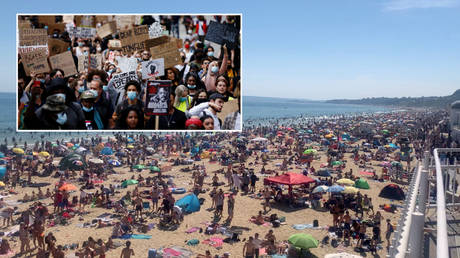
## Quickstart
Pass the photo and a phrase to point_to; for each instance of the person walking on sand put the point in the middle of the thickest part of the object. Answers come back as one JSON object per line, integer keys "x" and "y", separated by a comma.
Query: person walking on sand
{"x": 231, "y": 207}
{"x": 24, "y": 237}
{"x": 388, "y": 233}
{"x": 248, "y": 248}
{"x": 127, "y": 251}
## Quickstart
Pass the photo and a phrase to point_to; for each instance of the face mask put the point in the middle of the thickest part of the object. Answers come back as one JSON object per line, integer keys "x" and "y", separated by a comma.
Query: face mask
{"x": 55, "y": 35}
{"x": 99, "y": 49}
{"x": 182, "y": 99}
{"x": 61, "y": 118}
{"x": 139, "y": 59}
{"x": 191, "y": 86}
{"x": 210, "y": 53}
{"x": 81, "y": 89}
{"x": 189, "y": 31}
{"x": 94, "y": 93}
{"x": 87, "y": 109}
{"x": 105, "y": 87}
{"x": 80, "y": 44}
{"x": 214, "y": 69}
{"x": 187, "y": 46}
{"x": 62, "y": 95}
{"x": 132, "y": 95}
{"x": 42, "y": 80}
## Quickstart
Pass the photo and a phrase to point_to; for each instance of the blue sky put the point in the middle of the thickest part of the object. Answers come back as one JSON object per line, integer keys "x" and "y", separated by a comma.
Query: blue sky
{"x": 310, "y": 49}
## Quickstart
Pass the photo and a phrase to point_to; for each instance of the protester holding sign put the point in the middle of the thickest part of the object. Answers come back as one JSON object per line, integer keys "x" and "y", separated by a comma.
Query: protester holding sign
{"x": 132, "y": 92}
{"x": 214, "y": 71}
{"x": 211, "y": 108}
{"x": 131, "y": 118}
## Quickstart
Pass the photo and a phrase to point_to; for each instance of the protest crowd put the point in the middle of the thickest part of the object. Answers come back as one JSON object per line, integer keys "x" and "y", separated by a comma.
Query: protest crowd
{"x": 129, "y": 72}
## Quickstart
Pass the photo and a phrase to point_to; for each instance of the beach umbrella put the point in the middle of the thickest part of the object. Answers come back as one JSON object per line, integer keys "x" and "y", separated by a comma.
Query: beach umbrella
{"x": 2, "y": 171}
{"x": 361, "y": 183}
{"x": 107, "y": 151}
{"x": 70, "y": 161}
{"x": 320, "y": 189}
{"x": 18, "y": 151}
{"x": 80, "y": 150}
{"x": 139, "y": 166}
{"x": 68, "y": 187}
{"x": 336, "y": 189}
{"x": 303, "y": 241}
{"x": 69, "y": 144}
{"x": 2, "y": 155}
{"x": 2, "y": 184}
{"x": 350, "y": 190}
{"x": 324, "y": 172}
{"x": 130, "y": 146}
{"x": 130, "y": 140}
{"x": 44, "y": 154}
{"x": 54, "y": 145}
{"x": 154, "y": 169}
{"x": 129, "y": 182}
{"x": 345, "y": 181}
{"x": 329, "y": 136}
{"x": 385, "y": 131}
{"x": 96, "y": 161}
{"x": 336, "y": 163}
{"x": 392, "y": 145}
{"x": 310, "y": 151}
{"x": 396, "y": 164}
{"x": 115, "y": 163}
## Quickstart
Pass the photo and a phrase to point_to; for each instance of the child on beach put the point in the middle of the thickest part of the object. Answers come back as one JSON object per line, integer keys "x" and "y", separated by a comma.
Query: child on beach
{"x": 127, "y": 251}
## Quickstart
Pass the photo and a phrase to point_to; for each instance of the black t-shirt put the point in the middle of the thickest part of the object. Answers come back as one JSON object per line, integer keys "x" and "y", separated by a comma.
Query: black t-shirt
{"x": 174, "y": 121}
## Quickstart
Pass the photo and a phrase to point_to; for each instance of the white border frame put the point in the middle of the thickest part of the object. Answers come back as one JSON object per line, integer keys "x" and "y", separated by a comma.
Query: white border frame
{"x": 134, "y": 131}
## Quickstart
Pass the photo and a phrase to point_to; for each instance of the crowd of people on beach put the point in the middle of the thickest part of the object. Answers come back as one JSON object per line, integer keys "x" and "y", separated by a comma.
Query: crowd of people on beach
{"x": 79, "y": 169}
{"x": 201, "y": 85}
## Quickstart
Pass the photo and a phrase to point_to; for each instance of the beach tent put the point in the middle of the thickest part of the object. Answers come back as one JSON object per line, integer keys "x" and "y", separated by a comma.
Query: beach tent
{"x": 69, "y": 161}
{"x": 2, "y": 172}
{"x": 107, "y": 151}
{"x": 393, "y": 192}
{"x": 189, "y": 203}
{"x": 303, "y": 241}
{"x": 129, "y": 182}
{"x": 361, "y": 183}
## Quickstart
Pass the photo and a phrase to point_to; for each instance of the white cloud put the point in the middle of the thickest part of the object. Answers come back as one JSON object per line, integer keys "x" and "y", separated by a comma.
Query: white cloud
{"x": 398, "y": 5}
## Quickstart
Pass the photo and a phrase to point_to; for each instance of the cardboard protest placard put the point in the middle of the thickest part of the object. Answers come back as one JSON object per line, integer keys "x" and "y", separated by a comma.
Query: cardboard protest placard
{"x": 107, "y": 29}
{"x": 35, "y": 61}
{"x": 153, "y": 68}
{"x": 133, "y": 39}
{"x": 125, "y": 21}
{"x": 27, "y": 49}
{"x": 67, "y": 18}
{"x": 169, "y": 52}
{"x": 119, "y": 80}
{"x": 228, "y": 108}
{"x": 64, "y": 61}
{"x": 102, "y": 18}
{"x": 96, "y": 61}
{"x": 115, "y": 44}
{"x": 57, "y": 46}
{"x": 222, "y": 34}
{"x": 56, "y": 26}
{"x": 155, "y": 30}
{"x": 33, "y": 37}
{"x": 83, "y": 63}
{"x": 81, "y": 32}
{"x": 155, "y": 42}
{"x": 46, "y": 19}
{"x": 157, "y": 100}
{"x": 23, "y": 24}
{"x": 127, "y": 64}
{"x": 87, "y": 21}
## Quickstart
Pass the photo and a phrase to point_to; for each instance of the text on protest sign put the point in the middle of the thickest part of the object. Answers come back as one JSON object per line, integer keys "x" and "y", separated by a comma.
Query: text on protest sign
{"x": 126, "y": 64}
{"x": 81, "y": 32}
{"x": 114, "y": 44}
{"x": 57, "y": 46}
{"x": 124, "y": 21}
{"x": 119, "y": 80}
{"x": 157, "y": 100}
{"x": 169, "y": 52}
{"x": 95, "y": 61}
{"x": 153, "y": 68}
{"x": 107, "y": 29}
{"x": 222, "y": 34}
{"x": 35, "y": 61}
{"x": 85, "y": 21}
{"x": 33, "y": 37}
{"x": 23, "y": 24}
{"x": 27, "y": 49}
{"x": 64, "y": 61}
{"x": 133, "y": 39}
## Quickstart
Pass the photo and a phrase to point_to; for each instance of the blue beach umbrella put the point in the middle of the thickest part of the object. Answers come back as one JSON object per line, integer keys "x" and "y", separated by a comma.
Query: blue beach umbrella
{"x": 336, "y": 189}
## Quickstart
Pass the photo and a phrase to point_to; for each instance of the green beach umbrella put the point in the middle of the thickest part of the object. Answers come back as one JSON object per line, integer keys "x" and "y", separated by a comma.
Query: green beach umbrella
{"x": 337, "y": 163}
{"x": 385, "y": 131}
{"x": 310, "y": 151}
{"x": 139, "y": 166}
{"x": 361, "y": 183}
{"x": 129, "y": 182}
{"x": 154, "y": 169}
{"x": 303, "y": 241}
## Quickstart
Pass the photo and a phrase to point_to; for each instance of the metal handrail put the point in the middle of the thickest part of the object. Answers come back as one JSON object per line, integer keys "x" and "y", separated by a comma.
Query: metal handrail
{"x": 442, "y": 248}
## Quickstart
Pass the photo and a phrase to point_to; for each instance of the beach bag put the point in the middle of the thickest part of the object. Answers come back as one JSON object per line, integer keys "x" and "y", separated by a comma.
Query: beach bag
{"x": 315, "y": 223}
{"x": 152, "y": 253}
{"x": 276, "y": 223}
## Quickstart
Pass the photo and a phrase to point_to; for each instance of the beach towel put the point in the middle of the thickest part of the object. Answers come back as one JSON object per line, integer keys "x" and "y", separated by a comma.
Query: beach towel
{"x": 305, "y": 226}
{"x": 191, "y": 230}
{"x": 214, "y": 242}
{"x": 267, "y": 224}
{"x": 168, "y": 252}
{"x": 135, "y": 236}
{"x": 193, "y": 242}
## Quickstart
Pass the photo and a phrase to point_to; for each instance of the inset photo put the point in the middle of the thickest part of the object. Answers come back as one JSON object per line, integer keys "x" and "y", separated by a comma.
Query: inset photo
{"x": 79, "y": 72}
